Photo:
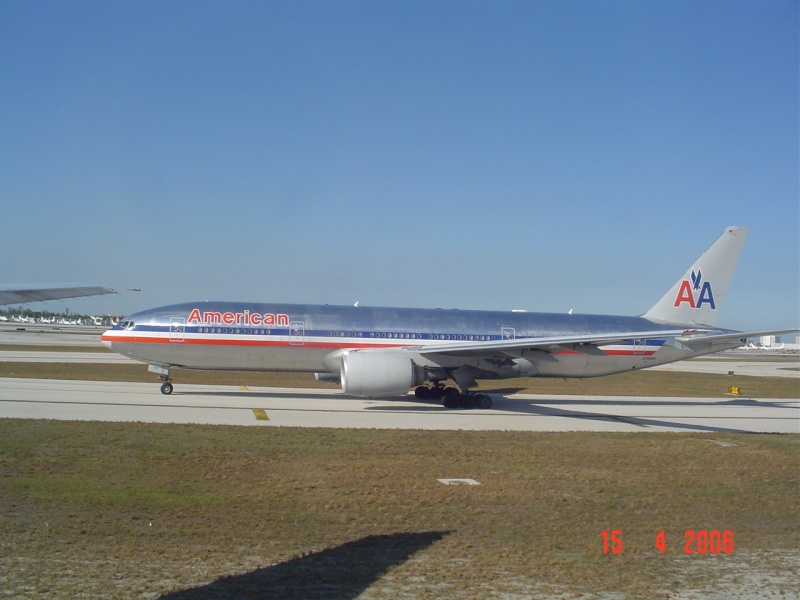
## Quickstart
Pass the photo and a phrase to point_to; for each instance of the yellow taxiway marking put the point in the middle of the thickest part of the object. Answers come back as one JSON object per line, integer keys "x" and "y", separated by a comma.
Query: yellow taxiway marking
{"x": 261, "y": 414}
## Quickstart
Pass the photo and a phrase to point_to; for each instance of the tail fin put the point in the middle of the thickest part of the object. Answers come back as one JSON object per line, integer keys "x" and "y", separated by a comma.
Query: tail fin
{"x": 697, "y": 297}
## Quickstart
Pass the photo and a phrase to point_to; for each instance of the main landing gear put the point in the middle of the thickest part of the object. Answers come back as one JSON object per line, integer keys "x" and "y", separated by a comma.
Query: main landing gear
{"x": 452, "y": 398}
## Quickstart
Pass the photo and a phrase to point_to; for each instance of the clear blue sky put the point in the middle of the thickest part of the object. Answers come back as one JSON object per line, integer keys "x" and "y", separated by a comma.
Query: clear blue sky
{"x": 547, "y": 155}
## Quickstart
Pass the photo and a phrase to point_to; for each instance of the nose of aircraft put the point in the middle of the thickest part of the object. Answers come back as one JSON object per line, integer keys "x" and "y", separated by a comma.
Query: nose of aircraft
{"x": 105, "y": 340}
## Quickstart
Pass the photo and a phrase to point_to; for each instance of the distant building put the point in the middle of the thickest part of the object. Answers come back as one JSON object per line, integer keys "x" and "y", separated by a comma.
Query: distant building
{"x": 768, "y": 341}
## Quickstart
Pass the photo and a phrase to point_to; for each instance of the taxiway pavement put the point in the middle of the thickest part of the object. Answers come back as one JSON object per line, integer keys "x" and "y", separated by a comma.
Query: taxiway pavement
{"x": 37, "y": 356}
{"x": 271, "y": 407}
{"x": 44, "y": 334}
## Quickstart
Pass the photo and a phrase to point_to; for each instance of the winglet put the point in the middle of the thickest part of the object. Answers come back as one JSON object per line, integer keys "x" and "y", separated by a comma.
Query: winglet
{"x": 696, "y": 298}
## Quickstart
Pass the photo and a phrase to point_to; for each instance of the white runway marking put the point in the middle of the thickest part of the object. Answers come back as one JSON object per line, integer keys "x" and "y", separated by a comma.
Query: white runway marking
{"x": 275, "y": 407}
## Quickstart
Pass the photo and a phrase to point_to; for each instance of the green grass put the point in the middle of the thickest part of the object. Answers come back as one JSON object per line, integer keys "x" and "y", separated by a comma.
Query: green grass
{"x": 139, "y": 510}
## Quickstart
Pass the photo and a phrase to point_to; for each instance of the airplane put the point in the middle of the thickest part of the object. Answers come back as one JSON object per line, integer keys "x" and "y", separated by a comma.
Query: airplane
{"x": 21, "y": 295}
{"x": 374, "y": 351}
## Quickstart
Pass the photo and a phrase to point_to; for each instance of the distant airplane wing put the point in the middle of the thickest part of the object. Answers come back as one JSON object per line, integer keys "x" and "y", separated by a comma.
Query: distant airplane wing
{"x": 548, "y": 344}
{"x": 23, "y": 296}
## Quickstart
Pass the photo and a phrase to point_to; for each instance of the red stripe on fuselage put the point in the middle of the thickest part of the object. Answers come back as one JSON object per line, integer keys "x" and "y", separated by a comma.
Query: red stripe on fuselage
{"x": 239, "y": 342}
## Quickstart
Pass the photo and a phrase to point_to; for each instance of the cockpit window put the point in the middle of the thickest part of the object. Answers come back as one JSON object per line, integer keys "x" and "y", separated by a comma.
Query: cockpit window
{"x": 127, "y": 325}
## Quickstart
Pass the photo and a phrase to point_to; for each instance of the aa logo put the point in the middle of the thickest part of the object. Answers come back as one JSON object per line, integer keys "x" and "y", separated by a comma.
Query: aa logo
{"x": 696, "y": 293}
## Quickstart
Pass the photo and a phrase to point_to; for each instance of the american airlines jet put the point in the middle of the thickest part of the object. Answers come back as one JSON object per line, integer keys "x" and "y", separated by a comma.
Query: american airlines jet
{"x": 386, "y": 351}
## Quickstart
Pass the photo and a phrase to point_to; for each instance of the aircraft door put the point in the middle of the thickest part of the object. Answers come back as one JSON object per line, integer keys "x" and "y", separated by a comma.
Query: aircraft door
{"x": 297, "y": 332}
{"x": 177, "y": 329}
{"x": 507, "y": 333}
{"x": 639, "y": 347}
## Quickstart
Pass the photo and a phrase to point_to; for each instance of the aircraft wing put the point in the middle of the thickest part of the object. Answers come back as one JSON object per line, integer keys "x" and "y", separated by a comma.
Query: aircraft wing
{"x": 587, "y": 342}
{"x": 23, "y": 296}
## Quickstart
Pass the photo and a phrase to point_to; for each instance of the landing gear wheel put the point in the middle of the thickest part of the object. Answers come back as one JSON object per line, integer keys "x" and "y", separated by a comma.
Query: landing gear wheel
{"x": 423, "y": 392}
{"x": 452, "y": 398}
{"x": 166, "y": 388}
{"x": 437, "y": 392}
{"x": 483, "y": 401}
{"x": 452, "y": 402}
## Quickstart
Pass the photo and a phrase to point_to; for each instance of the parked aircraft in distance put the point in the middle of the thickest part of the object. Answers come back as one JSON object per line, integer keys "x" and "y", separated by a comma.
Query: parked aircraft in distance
{"x": 20, "y": 295}
{"x": 385, "y": 351}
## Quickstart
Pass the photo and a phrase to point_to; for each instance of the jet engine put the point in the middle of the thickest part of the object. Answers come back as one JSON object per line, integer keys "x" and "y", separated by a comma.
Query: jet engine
{"x": 367, "y": 373}
{"x": 328, "y": 377}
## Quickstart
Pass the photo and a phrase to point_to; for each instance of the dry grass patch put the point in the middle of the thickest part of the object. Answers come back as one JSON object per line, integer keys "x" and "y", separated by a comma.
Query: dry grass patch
{"x": 139, "y": 510}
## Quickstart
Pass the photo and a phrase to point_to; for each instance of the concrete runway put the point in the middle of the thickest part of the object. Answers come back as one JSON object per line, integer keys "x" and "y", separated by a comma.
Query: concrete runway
{"x": 761, "y": 365}
{"x": 271, "y": 407}
{"x": 36, "y": 356}
{"x": 50, "y": 335}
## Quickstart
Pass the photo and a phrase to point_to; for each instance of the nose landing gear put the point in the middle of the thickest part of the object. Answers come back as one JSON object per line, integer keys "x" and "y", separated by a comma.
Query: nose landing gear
{"x": 163, "y": 375}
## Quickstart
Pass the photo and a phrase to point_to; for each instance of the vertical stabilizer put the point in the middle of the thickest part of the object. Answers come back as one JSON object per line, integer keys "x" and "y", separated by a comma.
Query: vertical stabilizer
{"x": 697, "y": 297}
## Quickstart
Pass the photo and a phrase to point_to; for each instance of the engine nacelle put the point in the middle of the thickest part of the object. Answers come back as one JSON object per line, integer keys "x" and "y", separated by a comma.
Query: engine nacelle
{"x": 369, "y": 373}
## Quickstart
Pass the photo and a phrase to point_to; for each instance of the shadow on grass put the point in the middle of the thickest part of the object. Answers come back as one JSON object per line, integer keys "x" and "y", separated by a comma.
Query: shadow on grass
{"x": 341, "y": 572}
